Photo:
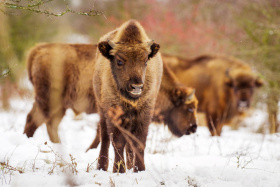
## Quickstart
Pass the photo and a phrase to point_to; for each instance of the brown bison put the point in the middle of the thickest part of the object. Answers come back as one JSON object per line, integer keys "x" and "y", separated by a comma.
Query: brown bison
{"x": 61, "y": 75}
{"x": 176, "y": 107}
{"x": 126, "y": 82}
{"x": 224, "y": 85}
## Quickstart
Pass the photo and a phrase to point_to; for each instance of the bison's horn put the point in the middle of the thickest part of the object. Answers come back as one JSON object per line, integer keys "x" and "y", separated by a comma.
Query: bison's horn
{"x": 111, "y": 43}
{"x": 150, "y": 43}
{"x": 227, "y": 73}
{"x": 190, "y": 97}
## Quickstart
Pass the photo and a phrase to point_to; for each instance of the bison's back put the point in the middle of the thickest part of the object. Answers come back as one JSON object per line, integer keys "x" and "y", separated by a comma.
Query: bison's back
{"x": 55, "y": 71}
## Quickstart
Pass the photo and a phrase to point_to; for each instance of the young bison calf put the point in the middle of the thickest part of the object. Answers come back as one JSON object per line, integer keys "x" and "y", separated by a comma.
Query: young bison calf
{"x": 127, "y": 77}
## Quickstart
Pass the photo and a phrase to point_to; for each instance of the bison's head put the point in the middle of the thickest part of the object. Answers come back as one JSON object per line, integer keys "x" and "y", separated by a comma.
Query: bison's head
{"x": 181, "y": 118}
{"x": 242, "y": 84}
{"x": 128, "y": 64}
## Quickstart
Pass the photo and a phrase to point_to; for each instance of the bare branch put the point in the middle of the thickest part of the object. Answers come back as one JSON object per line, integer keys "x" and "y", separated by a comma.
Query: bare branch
{"x": 35, "y": 7}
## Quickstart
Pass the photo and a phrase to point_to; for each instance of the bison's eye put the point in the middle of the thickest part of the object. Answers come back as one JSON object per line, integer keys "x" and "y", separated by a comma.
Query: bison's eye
{"x": 190, "y": 110}
{"x": 146, "y": 62}
{"x": 119, "y": 62}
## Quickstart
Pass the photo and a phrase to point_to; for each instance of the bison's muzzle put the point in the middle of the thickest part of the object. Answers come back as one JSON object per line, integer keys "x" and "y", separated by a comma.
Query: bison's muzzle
{"x": 243, "y": 105}
{"x": 135, "y": 90}
{"x": 192, "y": 129}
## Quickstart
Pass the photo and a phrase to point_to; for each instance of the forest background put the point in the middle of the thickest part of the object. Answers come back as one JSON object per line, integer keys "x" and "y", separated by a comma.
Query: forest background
{"x": 249, "y": 30}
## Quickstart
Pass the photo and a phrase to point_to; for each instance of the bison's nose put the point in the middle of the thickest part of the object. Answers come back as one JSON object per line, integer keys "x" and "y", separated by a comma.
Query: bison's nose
{"x": 192, "y": 129}
{"x": 136, "y": 86}
{"x": 243, "y": 105}
{"x": 136, "y": 90}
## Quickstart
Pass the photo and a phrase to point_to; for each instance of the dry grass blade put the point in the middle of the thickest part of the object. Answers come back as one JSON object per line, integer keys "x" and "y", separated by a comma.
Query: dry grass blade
{"x": 59, "y": 161}
{"x": 10, "y": 168}
{"x": 112, "y": 183}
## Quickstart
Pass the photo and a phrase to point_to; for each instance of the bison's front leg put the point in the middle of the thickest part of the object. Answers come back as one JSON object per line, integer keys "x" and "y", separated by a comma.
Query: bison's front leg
{"x": 118, "y": 142}
{"x": 140, "y": 143}
{"x": 219, "y": 128}
{"x": 214, "y": 124}
{"x": 105, "y": 143}
{"x": 139, "y": 163}
{"x": 117, "y": 133}
{"x": 129, "y": 155}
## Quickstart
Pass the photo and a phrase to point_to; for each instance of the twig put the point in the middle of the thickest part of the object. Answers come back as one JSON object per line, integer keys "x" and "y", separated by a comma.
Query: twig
{"x": 112, "y": 183}
{"x": 89, "y": 165}
{"x": 35, "y": 8}
{"x": 33, "y": 166}
{"x": 72, "y": 165}
{"x": 10, "y": 168}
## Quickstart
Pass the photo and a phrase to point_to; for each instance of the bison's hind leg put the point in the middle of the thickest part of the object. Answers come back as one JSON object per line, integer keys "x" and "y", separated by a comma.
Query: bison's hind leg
{"x": 52, "y": 125}
{"x": 105, "y": 143}
{"x": 34, "y": 119}
{"x": 96, "y": 141}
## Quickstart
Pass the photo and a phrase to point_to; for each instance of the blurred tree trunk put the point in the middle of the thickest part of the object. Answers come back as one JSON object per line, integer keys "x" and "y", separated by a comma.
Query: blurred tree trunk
{"x": 261, "y": 25}
{"x": 7, "y": 58}
{"x": 5, "y": 93}
{"x": 272, "y": 121}
{"x": 272, "y": 110}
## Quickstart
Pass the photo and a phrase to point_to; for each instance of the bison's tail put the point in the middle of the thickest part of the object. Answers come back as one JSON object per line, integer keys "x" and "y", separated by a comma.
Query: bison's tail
{"x": 30, "y": 59}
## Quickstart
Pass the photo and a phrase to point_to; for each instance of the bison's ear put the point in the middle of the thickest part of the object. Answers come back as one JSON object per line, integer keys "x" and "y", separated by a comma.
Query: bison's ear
{"x": 259, "y": 82}
{"x": 154, "y": 49}
{"x": 178, "y": 96}
{"x": 229, "y": 83}
{"x": 104, "y": 48}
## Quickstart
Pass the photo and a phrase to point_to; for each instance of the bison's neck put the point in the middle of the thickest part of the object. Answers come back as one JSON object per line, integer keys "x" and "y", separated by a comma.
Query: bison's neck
{"x": 169, "y": 80}
{"x": 168, "y": 84}
{"x": 163, "y": 102}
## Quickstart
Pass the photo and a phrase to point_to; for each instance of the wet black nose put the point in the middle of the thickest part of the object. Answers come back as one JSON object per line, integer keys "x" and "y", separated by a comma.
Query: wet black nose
{"x": 245, "y": 100}
{"x": 136, "y": 86}
{"x": 192, "y": 129}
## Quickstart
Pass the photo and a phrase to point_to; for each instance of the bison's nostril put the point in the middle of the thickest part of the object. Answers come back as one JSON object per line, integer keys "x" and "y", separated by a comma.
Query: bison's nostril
{"x": 136, "y": 86}
{"x": 192, "y": 129}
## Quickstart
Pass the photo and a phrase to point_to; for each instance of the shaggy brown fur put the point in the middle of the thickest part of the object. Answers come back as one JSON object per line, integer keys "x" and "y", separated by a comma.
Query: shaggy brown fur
{"x": 61, "y": 76}
{"x": 172, "y": 100}
{"x": 176, "y": 107}
{"x": 224, "y": 85}
{"x": 127, "y": 75}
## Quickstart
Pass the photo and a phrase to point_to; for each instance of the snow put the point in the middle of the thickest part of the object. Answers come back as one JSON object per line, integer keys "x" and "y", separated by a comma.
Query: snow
{"x": 237, "y": 158}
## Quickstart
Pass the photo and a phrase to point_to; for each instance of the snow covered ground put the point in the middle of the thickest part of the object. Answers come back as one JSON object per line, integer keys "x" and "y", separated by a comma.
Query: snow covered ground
{"x": 238, "y": 158}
